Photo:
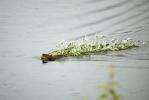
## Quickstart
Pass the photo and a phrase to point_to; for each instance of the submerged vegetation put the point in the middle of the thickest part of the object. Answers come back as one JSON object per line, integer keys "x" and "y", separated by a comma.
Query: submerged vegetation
{"x": 85, "y": 46}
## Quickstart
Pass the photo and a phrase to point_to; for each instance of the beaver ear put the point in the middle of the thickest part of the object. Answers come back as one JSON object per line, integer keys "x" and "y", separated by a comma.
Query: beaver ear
{"x": 45, "y": 55}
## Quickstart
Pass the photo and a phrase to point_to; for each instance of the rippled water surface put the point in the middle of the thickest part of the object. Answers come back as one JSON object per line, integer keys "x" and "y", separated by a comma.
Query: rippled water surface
{"x": 29, "y": 28}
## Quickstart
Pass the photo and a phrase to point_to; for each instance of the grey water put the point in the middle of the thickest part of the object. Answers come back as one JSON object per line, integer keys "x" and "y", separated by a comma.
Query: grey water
{"x": 29, "y": 28}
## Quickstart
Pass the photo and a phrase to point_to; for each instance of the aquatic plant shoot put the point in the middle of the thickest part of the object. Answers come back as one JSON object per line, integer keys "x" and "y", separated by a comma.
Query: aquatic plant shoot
{"x": 95, "y": 45}
{"x": 110, "y": 87}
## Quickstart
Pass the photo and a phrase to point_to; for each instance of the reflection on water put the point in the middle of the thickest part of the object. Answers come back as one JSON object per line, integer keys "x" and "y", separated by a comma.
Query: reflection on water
{"x": 30, "y": 27}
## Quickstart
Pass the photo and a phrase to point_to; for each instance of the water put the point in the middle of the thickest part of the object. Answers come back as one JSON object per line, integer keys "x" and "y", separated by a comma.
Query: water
{"x": 29, "y": 28}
